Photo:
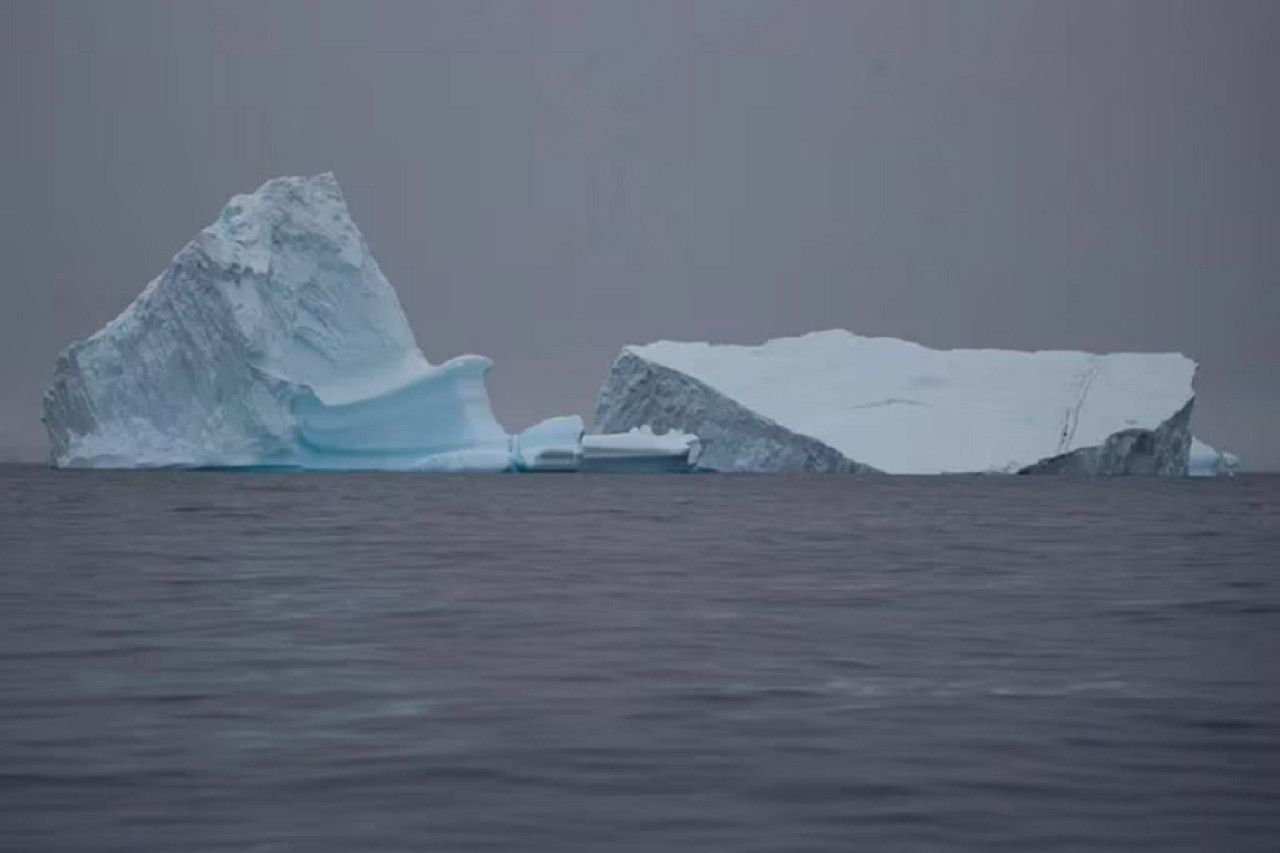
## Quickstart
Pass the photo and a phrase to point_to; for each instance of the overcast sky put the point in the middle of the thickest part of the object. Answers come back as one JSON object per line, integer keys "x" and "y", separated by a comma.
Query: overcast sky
{"x": 544, "y": 182}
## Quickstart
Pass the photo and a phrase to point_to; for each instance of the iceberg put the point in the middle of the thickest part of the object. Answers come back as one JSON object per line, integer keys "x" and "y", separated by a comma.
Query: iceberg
{"x": 561, "y": 444}
{"x": 640, "y": 450}
{"x": 553, "y": 445}
{"x": 1207, "y": 461}
{"x": 273, "y": 340}
{"x": 835, "y": 401}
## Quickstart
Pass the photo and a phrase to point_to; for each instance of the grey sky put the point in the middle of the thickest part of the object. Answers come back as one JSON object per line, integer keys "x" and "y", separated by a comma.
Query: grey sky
{"x": 545, "y": 182}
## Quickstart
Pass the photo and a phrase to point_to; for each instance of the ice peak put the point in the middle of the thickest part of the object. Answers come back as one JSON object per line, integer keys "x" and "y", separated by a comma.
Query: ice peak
{"x": 279, "y": 292}
{"x": 273, "y": 339}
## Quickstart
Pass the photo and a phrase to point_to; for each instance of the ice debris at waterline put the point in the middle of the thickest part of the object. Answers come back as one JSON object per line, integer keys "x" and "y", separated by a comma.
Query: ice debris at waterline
{"x": 839, "y": 402}
{"x": 274, "y": 340}
{"x": 1207, "y": 461}
{"x": 640, "y": 449}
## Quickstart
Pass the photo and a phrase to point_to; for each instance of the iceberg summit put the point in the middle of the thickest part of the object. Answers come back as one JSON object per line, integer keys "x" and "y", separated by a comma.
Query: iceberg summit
{"x": 273, "y": 340}
{"x": 838, "y": 402}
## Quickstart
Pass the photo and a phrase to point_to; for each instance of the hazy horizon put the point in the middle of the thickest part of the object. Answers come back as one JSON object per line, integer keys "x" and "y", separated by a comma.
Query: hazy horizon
{"x": 546, "y": 183}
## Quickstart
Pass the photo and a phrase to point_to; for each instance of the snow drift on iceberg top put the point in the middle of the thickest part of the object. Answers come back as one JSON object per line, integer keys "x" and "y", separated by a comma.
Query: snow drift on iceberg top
{"x": 836, "y": 401}
{"x": 272, "y": 339}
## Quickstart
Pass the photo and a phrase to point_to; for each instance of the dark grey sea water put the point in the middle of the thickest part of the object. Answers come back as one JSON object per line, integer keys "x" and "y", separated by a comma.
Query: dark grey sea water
{"x": 261, "y": 662}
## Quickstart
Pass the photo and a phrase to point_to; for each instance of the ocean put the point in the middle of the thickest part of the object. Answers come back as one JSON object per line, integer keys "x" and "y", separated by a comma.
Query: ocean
{"x": 355, "y": 663}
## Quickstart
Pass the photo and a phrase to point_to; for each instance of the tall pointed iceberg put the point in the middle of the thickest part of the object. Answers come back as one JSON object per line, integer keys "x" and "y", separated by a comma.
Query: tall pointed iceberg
{"x": 272, "y": 339}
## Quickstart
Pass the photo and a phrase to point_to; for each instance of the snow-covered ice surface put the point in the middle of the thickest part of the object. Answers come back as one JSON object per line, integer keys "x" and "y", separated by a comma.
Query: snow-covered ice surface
{"x": 273, "y": 339}
{"x": 836, "y": 401}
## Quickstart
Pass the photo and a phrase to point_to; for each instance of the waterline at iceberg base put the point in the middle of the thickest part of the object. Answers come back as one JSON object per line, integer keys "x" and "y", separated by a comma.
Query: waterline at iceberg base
{"x": 273, "y": 340}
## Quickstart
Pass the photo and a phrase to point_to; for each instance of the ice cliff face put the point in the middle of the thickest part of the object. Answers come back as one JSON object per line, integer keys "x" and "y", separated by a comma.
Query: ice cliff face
{"x": 272, "y": 339}
{"x": 835, "y": 401}
{"x": 1159, "y": 452}
{"x": 639, "y": 391}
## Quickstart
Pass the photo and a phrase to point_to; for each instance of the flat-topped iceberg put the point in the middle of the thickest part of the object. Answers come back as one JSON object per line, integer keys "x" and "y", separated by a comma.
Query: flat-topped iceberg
{"x": 836, "y": 401}
{"x": 273, "y": 339}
